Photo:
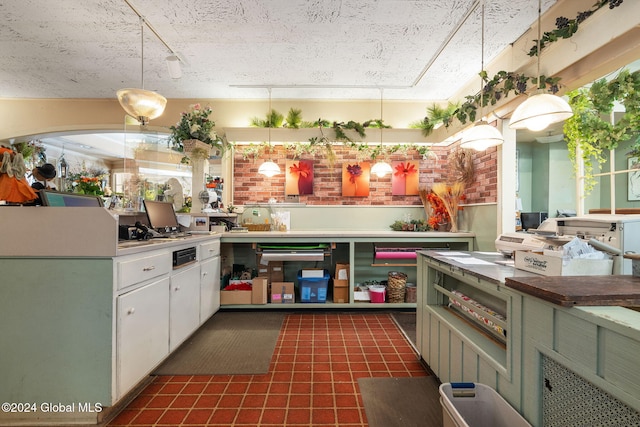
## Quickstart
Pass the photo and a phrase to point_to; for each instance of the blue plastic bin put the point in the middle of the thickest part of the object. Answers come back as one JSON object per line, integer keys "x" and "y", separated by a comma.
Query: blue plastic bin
{"x": 313, "y": 289}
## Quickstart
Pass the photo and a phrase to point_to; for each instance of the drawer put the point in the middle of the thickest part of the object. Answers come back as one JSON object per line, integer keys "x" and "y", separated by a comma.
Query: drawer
{"x": 210, "y": 249}
{"x": 140, "y": 269}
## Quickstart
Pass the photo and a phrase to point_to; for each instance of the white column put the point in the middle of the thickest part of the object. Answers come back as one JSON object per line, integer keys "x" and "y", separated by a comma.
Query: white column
{"x": 507, "y": 181}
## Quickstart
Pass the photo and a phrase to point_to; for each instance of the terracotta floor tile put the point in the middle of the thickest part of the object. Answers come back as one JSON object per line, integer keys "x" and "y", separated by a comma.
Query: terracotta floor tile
{"x": 173, "y": 417}
{"x": 198, "y": 416}
{"x": 312, "y": 381}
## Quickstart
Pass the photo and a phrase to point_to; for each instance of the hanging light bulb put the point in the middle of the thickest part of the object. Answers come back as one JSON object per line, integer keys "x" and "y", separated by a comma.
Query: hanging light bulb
{"x": 143, "y": 105}
{"x": 269, "y": 168}
{"x": 381, "y": 168}
{"x": 541, "y": 109}
{"x": 482, "y": 135}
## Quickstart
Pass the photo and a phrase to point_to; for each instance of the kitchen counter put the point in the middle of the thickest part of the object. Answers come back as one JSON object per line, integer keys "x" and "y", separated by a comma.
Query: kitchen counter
{"x": 557, "y": 355}
{"x": 345, "y": 235}
{"x": 581, "y": 290}
{"x": 129, "y": 247}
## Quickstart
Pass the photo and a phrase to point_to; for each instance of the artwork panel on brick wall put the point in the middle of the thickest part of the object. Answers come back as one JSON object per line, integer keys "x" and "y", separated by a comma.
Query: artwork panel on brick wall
{"x": 355, "y": 179}
{"x": 405, "y": 178}
{"x": 298, "y": 177}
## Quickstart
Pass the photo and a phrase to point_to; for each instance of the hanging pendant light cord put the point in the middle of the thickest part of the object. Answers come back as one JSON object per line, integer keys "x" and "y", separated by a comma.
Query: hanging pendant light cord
{"x": 482, "y": 61}
{"x": 142, "y": 52}
{"x": 538, "y": 41}
{"x": 269, "y": 116}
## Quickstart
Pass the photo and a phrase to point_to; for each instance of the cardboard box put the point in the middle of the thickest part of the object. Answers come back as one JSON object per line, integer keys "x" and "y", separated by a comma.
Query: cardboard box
{"x": 341, "y": 295}
{"x": 361, "y": 296}
{"x": 283, "y": 293}
{"x": 259, "y": 290}
{"x": 276, "y": 271}
{"x": 548, "y": 265}
{"x": 342, "y": 271}
{"x": 237, "y": 296}
{"x": 337, "y": 283}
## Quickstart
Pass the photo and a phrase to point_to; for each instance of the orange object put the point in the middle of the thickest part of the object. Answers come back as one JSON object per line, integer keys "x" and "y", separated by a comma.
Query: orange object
{"x": 14, "y": 188}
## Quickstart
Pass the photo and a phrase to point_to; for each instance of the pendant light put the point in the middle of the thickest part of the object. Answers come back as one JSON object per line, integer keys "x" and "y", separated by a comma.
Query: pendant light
{"x": 269, "y": 168}
{"x": 541, "y": 109}
{"x": 482, "y": 135}
{"x": 381, "y": 168}
{"x": 143, "y": 105}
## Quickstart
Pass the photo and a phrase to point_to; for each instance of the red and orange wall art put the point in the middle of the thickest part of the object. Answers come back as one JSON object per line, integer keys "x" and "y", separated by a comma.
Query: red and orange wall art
{"x": 355, "y": 179}
{"x": 404, "y": 181}
{"x": 299, "y": 177}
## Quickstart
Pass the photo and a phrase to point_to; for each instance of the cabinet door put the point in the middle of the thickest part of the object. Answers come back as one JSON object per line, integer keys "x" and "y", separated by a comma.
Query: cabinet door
{"x": 209, "y": 288}
{"x": 142, "y": 333}
{"x": 184, "y": 304}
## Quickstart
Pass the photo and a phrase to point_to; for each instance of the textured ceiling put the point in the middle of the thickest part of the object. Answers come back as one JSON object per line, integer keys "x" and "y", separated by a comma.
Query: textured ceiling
{"x": 333, "y": 49}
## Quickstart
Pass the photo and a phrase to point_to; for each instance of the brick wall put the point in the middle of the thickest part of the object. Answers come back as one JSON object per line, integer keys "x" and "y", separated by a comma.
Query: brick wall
{"x": 251, "y": 187}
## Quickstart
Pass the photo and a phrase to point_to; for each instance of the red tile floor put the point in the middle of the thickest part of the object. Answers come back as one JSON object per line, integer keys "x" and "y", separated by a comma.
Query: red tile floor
{"x": 312, "y": 379}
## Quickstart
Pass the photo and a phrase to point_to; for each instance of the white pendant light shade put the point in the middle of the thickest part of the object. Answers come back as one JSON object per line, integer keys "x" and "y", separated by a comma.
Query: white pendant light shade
{"x": 173, "y": 66}
{"x": 142, "y": 105}
{"x": 381, "y": 169}
{"x": 539, "y": 111}
{"x": 481, "y": 136}
{"x": 269, "y": 169}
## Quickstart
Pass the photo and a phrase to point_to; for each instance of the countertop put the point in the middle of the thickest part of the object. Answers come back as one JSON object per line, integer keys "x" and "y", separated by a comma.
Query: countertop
{"x": 581, "y": 290}
{"x": 128, "y": 247}
{"x": 490, "y": 266}
{"x": 342, "y": 235}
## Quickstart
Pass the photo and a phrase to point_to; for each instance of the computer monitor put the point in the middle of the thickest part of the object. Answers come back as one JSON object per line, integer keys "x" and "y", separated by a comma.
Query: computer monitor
{"x": 532, "y": 220}
{"x": 59, "y": 198}
{"x": 161, "y": 215}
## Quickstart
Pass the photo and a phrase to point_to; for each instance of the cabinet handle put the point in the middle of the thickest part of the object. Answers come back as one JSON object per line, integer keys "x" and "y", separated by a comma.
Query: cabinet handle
{"x": 131, "y": 311}
{"x": 177, "y": 288}
{"x": 153, "y": 267}
{"x": 204, "y": 274}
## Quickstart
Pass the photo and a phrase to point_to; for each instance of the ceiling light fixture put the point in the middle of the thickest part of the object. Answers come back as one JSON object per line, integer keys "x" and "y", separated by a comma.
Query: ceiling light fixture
{"x": 174, "y": 67}
{"x": 482, "y": 135}
{"x": 269, "y": 168}
{"x": 541, "y": 109}
{"x": 141, "y": 104}
{"x": 381, "y": 168}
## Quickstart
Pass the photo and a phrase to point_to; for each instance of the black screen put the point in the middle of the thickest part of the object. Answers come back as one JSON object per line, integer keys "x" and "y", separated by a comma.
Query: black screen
{"x": 160, "y": 214}
{"x": 57, "y": 198}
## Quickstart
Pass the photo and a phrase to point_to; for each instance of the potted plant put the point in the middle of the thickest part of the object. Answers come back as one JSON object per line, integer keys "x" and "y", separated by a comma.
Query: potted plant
{"x": 195, "y": 126}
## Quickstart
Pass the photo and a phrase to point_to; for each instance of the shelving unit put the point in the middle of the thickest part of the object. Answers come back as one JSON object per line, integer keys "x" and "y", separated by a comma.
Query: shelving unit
{"x": 355, "y": 248}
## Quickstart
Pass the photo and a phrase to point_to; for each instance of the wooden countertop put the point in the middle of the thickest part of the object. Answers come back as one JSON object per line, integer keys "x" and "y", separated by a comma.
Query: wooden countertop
{"x": 571, "y": 291}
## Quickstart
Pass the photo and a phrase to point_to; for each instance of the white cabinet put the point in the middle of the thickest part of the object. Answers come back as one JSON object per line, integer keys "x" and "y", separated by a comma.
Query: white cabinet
{"x": 184, "y": 304}
{"x": 209, "y": 287}
{"x": 209, "y": 256}
{"x": 142, "y": 332}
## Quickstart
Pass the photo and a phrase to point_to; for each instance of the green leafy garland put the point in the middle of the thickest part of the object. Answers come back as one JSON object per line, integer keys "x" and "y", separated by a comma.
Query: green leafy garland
{"x": 566, "y": 28}
{"x": 590, "y": 128}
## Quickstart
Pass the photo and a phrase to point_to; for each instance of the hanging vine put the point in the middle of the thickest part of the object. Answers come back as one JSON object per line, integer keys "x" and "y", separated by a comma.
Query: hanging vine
{"x": 591, "y": 130}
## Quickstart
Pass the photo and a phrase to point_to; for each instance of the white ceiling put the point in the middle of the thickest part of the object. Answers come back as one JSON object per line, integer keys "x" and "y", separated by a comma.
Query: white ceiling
{"x": 333, "y": 49}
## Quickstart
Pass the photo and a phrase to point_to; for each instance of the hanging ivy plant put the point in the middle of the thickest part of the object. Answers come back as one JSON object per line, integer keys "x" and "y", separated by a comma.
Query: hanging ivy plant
{"x": 566, "y": 28}
{"x": 590, "y": 129}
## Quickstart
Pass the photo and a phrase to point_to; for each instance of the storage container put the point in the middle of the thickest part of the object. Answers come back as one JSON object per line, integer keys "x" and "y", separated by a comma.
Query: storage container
{"x": 313, "y": 289}
{"x": 476, "y": 405}
{"x": 377, "y": 293}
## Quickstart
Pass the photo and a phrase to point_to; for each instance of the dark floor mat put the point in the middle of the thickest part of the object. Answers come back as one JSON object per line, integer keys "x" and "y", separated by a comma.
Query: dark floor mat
{"x": 407, "y": 323}
{"x": 228, "y": 343}
{"x": 402, "y": 402}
